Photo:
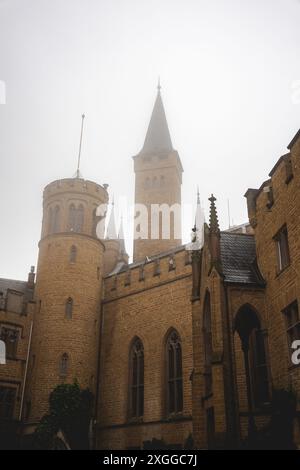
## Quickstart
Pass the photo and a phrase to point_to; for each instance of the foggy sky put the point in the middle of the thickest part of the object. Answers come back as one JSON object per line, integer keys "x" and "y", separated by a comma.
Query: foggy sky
{"x": 229, "y": 71}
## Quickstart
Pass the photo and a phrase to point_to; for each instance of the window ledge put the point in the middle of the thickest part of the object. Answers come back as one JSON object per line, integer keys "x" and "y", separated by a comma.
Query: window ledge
{"x": 207, "y": 397}
{"x": 15, "y": 359}
{"x": 278, "y": 273}
{"x": 135, "y": 420}
{"x": 176, "y": 416}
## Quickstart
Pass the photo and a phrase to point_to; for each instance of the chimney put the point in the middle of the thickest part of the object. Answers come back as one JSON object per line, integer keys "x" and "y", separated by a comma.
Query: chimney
{"x": 251, "y": 205}
{"x": 31, "y": 278}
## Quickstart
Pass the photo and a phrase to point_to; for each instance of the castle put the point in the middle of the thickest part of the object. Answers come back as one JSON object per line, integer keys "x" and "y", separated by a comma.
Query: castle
{"x": 176, "y": 344}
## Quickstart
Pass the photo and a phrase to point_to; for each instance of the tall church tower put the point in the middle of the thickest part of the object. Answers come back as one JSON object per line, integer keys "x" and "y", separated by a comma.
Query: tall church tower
{"x": 158, "y": 177}
{"x": 65, "y": 338}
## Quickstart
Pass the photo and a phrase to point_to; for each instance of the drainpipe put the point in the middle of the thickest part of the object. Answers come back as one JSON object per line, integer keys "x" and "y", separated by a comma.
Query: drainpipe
{"x": 251, "y": 421}
{"x": 98, "y": 375}
{"x": 25, "y": 373}
{"x": 234, "y": 406}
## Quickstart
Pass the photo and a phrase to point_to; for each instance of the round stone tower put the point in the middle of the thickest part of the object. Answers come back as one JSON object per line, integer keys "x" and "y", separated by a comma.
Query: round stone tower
{"x": 68, "y": 292}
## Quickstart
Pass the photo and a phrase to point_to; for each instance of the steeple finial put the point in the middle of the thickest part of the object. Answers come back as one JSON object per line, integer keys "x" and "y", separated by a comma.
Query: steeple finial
{"x": 213, "y": 216}
{"x": 198, "y": 210}
{"x": 80, "y": 143}
{"x": 121, "y": 237}
{"x": 198, "y": 196}
{"x": 158, "y": 85}
{"x": 198, "y": 229}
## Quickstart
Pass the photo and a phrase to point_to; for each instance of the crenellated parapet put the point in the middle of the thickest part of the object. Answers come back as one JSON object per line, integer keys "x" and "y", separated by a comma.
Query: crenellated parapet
{"x": 70, "y": 205}
{"x": 147, "y": 274}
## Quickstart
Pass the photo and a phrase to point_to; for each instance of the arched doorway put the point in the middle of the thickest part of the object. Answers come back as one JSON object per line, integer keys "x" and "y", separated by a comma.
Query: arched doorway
{"x": 248, "y": 326}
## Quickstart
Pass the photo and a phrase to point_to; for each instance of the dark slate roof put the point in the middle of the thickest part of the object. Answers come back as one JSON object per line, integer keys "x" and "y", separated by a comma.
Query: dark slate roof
{"x": 238, "y": 256}
{"x": 5, "y": 284}
{"x": 158, "y": 137}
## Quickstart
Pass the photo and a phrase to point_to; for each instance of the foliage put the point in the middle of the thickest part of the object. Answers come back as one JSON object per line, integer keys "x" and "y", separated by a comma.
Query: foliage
{"x": 155, "y": 444}
{"x": 189, "y": 442}
{"x": 70, "y": 411}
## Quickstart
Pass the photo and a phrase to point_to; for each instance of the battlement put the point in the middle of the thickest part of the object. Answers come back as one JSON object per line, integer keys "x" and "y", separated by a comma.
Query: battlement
{"x": 270, "y": 200}
{"x": 152, "y": 272}
{"x": 77, "y": 185}
{"x": 71, "y": 204}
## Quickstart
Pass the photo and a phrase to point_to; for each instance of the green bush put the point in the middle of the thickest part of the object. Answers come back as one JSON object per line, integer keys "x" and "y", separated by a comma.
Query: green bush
{"x": 70, "y": 410}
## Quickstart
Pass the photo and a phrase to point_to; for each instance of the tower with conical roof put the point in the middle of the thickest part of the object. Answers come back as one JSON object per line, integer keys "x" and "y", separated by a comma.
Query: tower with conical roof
{"x": 158, "y": 178}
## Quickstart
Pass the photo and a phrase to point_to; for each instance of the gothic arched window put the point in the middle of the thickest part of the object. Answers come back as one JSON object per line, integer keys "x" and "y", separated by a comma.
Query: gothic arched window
{"x": 50, "y": 220}
{"x": 136, "y": 405}
{"x": 72, "y": 218}
{"x": 76, "y": 218}
{"x": 174, "y": 373}
{"x": 56, "y": 220}
{"x": 73, "y": 254}
{"x": 79, "y": 219}
{"x": 64, "y": 365}
{"x": 95, "y": 220}
{"x": 69, "y": 308}
{"x": 247, "y": 324}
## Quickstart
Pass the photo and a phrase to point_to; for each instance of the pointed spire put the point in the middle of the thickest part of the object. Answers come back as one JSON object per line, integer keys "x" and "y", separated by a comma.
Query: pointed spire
{"x": 199, "y": 217}
{"x": 111, "y": 233}
{"x": 198, "y": 196}
{"x": 198, "y": 229}
{"x": 198, "y": 206}
{"x": 158, "y": 84}
{"x": 121, "y": 238}
{"x": 213, "y": 216}
{"x": 158, "y": 137}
